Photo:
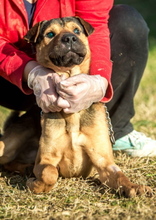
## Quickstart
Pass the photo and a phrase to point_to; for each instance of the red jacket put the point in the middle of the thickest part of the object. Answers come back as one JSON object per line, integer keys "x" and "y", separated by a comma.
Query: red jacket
{"x": 15, "y": 52}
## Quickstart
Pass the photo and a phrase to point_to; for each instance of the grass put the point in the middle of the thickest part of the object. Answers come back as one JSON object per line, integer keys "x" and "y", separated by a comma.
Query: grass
{"x": 78, "y": 199}
{"x": 145, "y": 106}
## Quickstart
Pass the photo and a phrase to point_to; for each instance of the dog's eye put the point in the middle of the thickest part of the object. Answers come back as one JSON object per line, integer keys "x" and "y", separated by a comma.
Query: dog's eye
{"x": 76, "y": 31}
{"x": 50, "y": 35}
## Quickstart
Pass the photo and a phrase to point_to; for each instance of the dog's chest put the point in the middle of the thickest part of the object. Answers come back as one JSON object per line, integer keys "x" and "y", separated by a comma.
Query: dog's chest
{"x": 75, "y": 161}
{"x": 66, "y": 137}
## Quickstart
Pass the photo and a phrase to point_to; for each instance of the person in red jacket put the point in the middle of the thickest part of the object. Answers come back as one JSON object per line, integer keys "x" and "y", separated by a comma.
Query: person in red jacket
{"x": 120, "y": 37}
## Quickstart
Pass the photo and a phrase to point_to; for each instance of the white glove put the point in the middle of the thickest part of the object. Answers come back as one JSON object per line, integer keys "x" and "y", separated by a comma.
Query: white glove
{"x": 81, "y": 91}
{"x": 43, "y": 82}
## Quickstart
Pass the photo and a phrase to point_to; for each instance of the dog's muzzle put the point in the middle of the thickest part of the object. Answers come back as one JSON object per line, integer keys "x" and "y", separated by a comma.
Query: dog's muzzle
{"x": 69, "y": 51}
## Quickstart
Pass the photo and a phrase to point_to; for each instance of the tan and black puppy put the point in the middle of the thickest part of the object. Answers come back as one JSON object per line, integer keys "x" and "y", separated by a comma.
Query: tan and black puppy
{"x": 71, "y": 144}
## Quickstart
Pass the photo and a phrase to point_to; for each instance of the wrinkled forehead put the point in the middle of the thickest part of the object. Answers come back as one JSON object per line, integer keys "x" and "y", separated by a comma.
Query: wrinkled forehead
{"x": 57, "y": 25}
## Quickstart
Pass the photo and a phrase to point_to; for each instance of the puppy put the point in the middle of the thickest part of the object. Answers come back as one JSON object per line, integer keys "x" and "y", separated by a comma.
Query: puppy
{"x": 71, "y": 144}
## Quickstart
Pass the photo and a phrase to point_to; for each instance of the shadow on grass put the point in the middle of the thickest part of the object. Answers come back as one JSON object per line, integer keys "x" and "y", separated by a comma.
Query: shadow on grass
{"x": 15, "y": 179}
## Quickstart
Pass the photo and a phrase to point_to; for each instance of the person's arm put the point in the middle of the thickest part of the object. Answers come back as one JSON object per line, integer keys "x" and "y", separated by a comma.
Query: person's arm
{"x": 97, "y": 14}
{"x": 12, "y": 64}
{"x": 28, "y": 67}
{"x": 82, "y": 90}
{"x": 21, "y": 70}
{"x": 16, "y": 64}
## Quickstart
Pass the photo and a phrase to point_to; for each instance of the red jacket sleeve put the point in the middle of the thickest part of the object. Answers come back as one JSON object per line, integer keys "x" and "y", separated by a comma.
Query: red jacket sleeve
{"x": 97, "y": 14}
{"x": 12, "y": 65}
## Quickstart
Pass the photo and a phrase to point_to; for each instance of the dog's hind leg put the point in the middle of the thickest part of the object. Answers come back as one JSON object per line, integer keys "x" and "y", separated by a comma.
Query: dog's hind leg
{"x": 14, "y": 138}
{"x": 98, "y": 147}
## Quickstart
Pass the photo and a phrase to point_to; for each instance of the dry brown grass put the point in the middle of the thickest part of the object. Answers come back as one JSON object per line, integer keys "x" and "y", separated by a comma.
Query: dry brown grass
{"x": 79, "y": 199}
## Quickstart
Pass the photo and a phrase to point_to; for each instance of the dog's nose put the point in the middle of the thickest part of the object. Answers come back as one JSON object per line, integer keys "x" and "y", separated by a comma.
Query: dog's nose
{"x": 69, "y": 38}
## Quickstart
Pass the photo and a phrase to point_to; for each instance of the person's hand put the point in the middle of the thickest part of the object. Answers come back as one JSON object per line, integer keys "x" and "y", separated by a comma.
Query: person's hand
{"x": 43, "y": 82}
{"x": 81, "y": 91}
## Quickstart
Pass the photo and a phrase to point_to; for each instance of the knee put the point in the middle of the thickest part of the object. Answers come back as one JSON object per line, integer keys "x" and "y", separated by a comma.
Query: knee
{"x": 128, "y": 22}
{"x": 6, "y": 159}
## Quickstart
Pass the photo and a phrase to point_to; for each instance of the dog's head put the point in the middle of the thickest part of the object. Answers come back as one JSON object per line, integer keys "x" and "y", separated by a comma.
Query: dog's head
{"x": 61, "y": 44}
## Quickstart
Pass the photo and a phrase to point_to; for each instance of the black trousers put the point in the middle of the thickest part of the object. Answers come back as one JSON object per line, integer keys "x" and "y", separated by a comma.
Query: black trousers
{"x": 129, "y": 51}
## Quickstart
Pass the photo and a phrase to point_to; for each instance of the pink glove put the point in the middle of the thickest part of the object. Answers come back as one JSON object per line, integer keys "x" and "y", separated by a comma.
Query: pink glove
{"x": 81, "y": 91}
{"x": 43, "y": 82}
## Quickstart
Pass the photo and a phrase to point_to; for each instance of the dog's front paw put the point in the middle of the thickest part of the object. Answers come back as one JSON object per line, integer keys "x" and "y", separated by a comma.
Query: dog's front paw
{"x": 38, "y": 186}
{"x": 132, "y": 190}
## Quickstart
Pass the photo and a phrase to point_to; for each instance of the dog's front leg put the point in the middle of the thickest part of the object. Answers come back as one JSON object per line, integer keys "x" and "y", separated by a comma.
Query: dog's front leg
{"x": 46, "y": 177}
{"x": 49, "y": 154}
{"x": 113, "y": 177}
{"x": 109, "y": 173}
{"x": 97, "y": 145}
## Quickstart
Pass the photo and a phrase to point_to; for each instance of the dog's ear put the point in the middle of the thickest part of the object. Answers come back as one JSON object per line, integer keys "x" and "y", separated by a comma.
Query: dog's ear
{"x": 33, "y": 33}
{"x": 87, "y": 27}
